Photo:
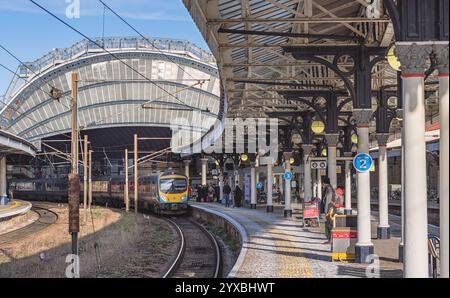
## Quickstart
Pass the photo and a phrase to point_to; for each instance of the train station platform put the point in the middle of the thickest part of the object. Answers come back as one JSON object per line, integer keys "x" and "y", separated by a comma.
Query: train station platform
{"x": 277, "y": 247}
{"x": 14, "y": 208}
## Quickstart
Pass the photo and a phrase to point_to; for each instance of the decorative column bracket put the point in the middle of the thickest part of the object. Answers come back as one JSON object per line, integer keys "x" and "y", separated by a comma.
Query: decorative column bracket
{"x": 382, "y": 139}
{"x": 384, "y": 114}
{"x": 332, "y": 139}
{"x": 364, "y": 58}
{"x": 362, "y": 117}
{"x": 413, "y": 57}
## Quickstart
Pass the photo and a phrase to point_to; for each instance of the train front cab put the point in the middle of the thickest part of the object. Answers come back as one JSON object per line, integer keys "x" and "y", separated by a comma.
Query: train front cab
{"x": 173, "y": 193}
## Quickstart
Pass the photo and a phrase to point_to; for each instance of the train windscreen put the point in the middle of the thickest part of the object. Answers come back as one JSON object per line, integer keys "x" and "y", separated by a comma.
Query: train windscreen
{"x": 173, "y": 185}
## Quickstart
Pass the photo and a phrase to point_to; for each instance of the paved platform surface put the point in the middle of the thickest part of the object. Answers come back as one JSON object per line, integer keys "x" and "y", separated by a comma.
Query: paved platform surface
{"x": 279, "y": 247}
{"x": 15, "y": 207}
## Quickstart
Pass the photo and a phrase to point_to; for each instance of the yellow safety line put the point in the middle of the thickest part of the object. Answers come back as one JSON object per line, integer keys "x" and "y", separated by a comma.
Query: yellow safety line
{"x": 15, "y": 204}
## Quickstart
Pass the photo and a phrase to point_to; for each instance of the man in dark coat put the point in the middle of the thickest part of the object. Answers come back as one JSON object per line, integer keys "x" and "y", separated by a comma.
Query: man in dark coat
{"x": 238, "y": 196}
{"x": 226, "y": 194}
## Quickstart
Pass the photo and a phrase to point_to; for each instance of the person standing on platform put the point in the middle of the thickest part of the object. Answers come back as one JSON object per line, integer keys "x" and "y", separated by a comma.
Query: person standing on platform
{"x": 211, "y": 193}
{"x": 216, "y": 193}
{"x": 339, "y": 197}
{"x": 329, "y": 194}
{"x": 238, "y": 196}
{"x": 226, "y": 194}
{"x": 329, "y": 206}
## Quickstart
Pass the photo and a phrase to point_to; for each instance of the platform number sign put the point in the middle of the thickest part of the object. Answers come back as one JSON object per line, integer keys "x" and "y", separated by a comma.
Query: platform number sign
{"x": 363, "y": 162}
{"x": 288, "y": 176}
{"x": 259, "y": 185}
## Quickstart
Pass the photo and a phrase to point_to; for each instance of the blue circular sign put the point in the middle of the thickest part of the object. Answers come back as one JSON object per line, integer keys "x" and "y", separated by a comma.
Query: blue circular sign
{"x": 259, "y": 185}
{"x": 288, "y": 176}
{"x": 363, "y": 162}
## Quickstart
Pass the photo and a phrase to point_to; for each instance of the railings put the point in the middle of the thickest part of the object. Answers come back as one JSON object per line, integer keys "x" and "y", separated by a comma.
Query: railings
{"x": 433, "y": 255}
{"x": 85, "y": 46}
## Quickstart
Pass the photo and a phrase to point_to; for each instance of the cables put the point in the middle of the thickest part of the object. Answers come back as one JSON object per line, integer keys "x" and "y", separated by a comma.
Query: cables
{"x": 29, "y": 68}
{"x": 16, "y": 110}
{"x": 106, "y": 50}
{"x": 40, "y": 87}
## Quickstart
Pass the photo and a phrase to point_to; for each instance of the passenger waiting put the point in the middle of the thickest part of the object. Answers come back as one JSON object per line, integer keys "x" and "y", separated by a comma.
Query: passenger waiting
{"x": 226, "y": 194}
{"x": 237, "y": 196}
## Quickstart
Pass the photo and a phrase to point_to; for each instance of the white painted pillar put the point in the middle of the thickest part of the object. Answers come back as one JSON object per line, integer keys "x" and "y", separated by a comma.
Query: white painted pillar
{"x": 3, "y": 182}
{"x": 332, "y": 140}
{"x": 280, "y": 185}
{"x": 348, "y": 188}
{"x": 301, "y": 180}
{"x": 287, "y": 186}
{"x": 413, "y": 58}
{"x": 402, "y": 198}
{"x": 269, "y": 194}
{"x": 441, "y": 52}
{"x": 307, "y": 149}
{"x": 383, "y": 229}
{"x": 364, "y": 246}
{"x": 314, "y": 182}
{"x": 253, "y": 186}
{"x": 204, "y": 169}
{"x": 319, "y": 183}
{"x": 186, "y": 167}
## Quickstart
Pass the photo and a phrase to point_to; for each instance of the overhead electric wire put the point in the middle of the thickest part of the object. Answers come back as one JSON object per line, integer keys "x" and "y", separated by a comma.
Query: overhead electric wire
{"x": 40, "y": 87}
{"x": 146, "y": 38}
{"x": 22, "y": 114}
{"x": 30, "y": 69}
{"x": 27, "y": 81}
{"x": 102, "y": 47}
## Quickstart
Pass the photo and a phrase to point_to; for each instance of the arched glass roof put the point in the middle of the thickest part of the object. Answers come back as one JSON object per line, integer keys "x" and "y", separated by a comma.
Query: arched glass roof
{"x": 180, "y": 79}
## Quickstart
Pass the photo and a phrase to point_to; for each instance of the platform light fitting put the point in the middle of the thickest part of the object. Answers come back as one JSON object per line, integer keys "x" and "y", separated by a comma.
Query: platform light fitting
{"x": 393, "y": 61}
{"x": 354, "y": 138}
{"x": 324, "y": 152}
{"x": 244, "y": 157}
{"x": 292, "y": 160}
{"x": 317, "y": 127}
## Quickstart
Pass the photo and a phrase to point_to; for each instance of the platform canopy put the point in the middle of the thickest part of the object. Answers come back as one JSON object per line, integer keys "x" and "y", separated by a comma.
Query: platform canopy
{"x": 11, "y": 144}
{"x": 135, "y": 82}
{"x": 267, "y": 49}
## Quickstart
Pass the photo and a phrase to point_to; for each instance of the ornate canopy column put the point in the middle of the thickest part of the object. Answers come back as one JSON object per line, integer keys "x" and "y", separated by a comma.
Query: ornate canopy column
{"x": 413, "y": 58}
{"x": 383, "y": 229}
{"x": 441, "y": 52}
{"x": 364, "y": 246}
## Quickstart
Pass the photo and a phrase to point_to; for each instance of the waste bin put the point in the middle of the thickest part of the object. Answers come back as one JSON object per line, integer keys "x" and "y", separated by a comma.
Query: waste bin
{"x": 344, "y": 236}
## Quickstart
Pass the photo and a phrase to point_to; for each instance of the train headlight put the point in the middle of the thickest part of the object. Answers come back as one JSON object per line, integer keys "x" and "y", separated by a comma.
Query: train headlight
{"x": 184, "y": 198}
{"x": 162, "y": 199}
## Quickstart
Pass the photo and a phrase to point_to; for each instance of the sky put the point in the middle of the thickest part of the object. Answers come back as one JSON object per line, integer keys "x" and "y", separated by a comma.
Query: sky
{"x": 30, "y": 33}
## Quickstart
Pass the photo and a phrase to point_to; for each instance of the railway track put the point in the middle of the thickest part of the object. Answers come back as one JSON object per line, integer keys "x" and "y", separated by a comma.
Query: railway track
{"x": 199, "y": 254}
{"x": 46, "y": 219}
